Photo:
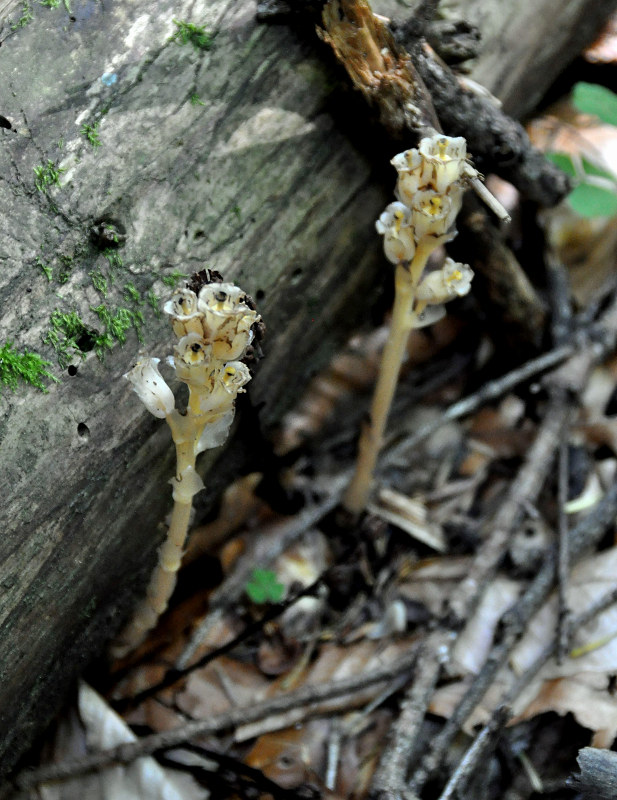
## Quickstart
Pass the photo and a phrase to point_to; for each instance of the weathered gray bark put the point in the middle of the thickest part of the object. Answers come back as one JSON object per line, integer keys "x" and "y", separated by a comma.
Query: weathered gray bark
{"x": 254, "y": 181}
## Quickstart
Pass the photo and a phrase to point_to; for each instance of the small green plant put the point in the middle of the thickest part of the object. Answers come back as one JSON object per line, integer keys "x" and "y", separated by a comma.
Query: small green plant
{"x": 47, "y": 270}
{"x": 189, "y": 33}
{"x": 91, "y": 132}
{"x": 172, "y": 279}
{"x": 26, "y": 16}
{"x": 118, "y": 322}
{"x": 49, "y": 3}
{"x": 196, "y": 100}
{"x": 131, "y": 294}
{"x": 114, "y": 258}
{"x": 153, "y": 302}
{"x": 27, "y": 367}
{"x": 47, "y": 175}
{"x": 595, "y": 192}
{"x": 69, "y": 336}
{"x": 99, "y": 281}
{"x": 263, "y": 587}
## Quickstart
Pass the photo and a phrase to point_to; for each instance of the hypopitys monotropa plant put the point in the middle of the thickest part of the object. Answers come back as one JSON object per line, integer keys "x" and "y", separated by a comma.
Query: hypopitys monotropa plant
{"x": 215, "y": 323}
{"x": 429, "y": 191}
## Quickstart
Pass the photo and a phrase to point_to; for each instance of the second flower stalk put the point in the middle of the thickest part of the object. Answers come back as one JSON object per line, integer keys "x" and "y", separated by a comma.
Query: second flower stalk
{"x": 429, "y": 190}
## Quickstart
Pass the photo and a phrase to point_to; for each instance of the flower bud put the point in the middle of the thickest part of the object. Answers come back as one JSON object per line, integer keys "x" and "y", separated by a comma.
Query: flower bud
{"x": 151, "y": 388}
{"x": 452, "y": 280}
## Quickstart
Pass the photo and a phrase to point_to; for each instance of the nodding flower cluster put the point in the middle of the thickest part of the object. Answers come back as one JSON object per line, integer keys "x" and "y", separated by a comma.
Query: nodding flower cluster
{"x": 216, "y": 324}
{"x": 429, "y": 192}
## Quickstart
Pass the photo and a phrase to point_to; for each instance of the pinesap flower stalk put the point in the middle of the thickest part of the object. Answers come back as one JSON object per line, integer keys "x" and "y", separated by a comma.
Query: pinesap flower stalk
{"x": 429, "y": 191}
{"x": 215, "y": 323}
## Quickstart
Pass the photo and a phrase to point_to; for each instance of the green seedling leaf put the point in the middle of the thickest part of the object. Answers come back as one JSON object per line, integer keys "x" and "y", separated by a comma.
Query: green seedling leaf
{"x": 593, "y": 99}
{"x": 563, "y": 161}
{"x": 263, "y": 587}
{"x": 593, "y": 201}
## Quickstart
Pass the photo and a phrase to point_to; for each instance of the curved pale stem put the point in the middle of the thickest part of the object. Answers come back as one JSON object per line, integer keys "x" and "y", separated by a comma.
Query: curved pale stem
{"x": 406, "y": 279}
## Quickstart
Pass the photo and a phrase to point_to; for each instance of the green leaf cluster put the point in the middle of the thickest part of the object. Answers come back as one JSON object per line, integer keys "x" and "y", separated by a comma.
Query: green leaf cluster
{"x": 47, "y": 175}
{"x": 595, "y": 193}
{"x": 263, "y": 587}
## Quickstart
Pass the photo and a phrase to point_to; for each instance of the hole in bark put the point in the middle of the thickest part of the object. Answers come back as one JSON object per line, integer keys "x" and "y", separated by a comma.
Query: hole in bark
{"x": 72, "y": 370}
{"x": 199, "y": 235}
{"x": 259, "y": 294}
{"x": 5, "y": 123}
{"x": 83, "y": 430}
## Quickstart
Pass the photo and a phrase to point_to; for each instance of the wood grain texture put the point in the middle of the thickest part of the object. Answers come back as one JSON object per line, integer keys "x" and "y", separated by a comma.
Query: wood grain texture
{"x": 252, "y": 178}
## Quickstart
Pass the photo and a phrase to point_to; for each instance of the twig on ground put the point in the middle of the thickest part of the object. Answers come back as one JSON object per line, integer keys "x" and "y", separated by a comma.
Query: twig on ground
{"x": 264, "y": 548}
{"x": 503, "y": 713}
{"x": 307, "y": 696}
{"x": 480, "y": 745}
{"x": 598, "y": 778}
{"x": 490, "y": 391}
{"x": 563, "y": 571}
{"x": 390, "y": 776}
{"x": 585, "y": 535}
{"x": 523, "y": 491}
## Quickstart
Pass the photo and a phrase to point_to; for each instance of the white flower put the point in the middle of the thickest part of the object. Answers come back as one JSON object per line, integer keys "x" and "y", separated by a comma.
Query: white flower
{"x": 151, "y": 388}
{"x": 183, "y": 310}
{"x": 223, "y": 386}
{"x": 444, "y": 158}
{"x": 452, "y": 280}
{"x": 228, "y": 319}
{"x": 192, "y": 359}
{"x": 433, "y": 214}
{"x": 395, "y": 217}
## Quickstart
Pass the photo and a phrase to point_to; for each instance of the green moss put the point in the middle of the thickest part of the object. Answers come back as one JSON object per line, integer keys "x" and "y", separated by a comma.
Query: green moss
{"x": 196, "y": 100}
{"x": 27, "y": 367}
{"x": 49, "y": 3}
{"x": 189, "y": 33}
{"x": 69, "y": 336}
{"x": 172, "y": 279}
{"x": 99, "y": 281}
{"x": 26, "y": 16}
{"x": 153, "y": 302}
{"x": 113, "y": 257}
{"x": 47, "y": 270}
{"x": 47, "y": 175}
{"x": 118, "y": 322}
{"x": 91, "y": 132}
{"x": 131, "y": 294}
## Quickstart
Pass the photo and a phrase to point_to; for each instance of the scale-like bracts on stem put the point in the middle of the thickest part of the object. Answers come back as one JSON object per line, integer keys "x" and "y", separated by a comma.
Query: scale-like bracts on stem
{"x": 215, "y": 323}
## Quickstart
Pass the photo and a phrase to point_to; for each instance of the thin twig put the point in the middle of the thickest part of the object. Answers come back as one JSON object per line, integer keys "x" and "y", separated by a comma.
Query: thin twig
{"x": 524, "y": 491}
{"x": 126, "y": 753}
{"x": 390, "y": 776}
{"x": 503, "y": 713}
{"x": 262, "y": 549}
{"x": 490, "y": 391}
{"x": 563, "y": 571}
{"x": 585, "y": 535}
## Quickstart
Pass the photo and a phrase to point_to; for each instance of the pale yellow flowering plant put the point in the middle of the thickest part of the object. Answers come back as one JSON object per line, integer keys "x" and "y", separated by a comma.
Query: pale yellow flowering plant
{"x": 215, "y": 323}
{"x": 429, "y": 191}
